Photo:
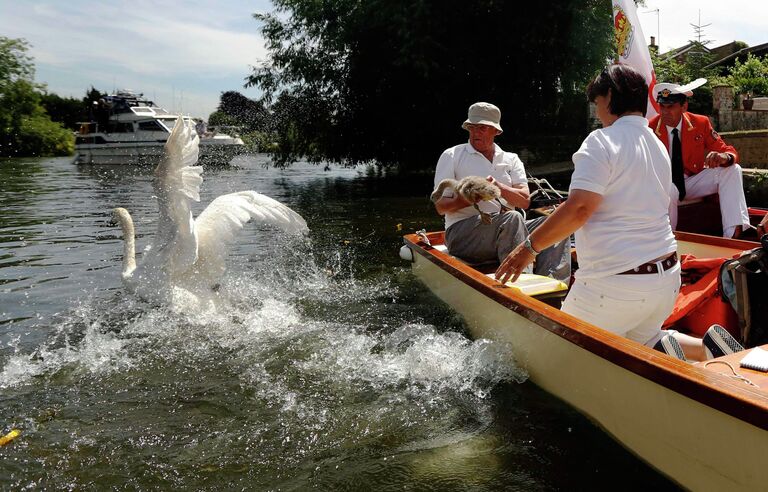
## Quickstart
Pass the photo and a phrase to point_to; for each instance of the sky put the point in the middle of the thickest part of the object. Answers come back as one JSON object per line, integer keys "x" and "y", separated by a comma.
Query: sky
{"x": 183, "y": 54}
{"x": 732, "y": 20}
{"x": 180, "y": 54}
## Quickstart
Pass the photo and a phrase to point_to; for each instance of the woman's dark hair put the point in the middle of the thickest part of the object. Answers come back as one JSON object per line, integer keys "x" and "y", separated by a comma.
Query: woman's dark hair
{"x": 629, "y": 92}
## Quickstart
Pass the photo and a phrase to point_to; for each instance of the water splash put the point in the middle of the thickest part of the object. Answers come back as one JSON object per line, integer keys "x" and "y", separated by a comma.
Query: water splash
{"x": 299, "y": 362}
{"x": 309, "y": 317}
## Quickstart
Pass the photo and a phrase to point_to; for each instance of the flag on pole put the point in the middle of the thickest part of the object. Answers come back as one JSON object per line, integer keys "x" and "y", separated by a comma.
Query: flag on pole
{"x": 631, "y": 48}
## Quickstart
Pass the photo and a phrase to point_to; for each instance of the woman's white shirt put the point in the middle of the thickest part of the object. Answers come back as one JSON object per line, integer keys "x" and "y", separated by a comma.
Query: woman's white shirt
{"x": 630, "y": 168}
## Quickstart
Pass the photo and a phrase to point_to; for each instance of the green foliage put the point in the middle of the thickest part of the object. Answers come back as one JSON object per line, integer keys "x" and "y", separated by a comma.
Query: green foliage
{"x": 246, "y": 113}
{"x": 249, "y": 118}
{"x": 39, "y": 136}
{"x": 220, "y": 118}
{"x": 25, "y": 128}
{"x": 749, "y": 77}
{"x": 259, "y": 141}
{"x": 18, "y": 100}
{"x": 356, "y": 81}
{"x": 15, "y": 64}
{"x": 65, "y": 110}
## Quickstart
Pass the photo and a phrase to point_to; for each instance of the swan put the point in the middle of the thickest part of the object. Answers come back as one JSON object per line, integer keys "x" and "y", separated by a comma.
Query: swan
{"x": 473, "y": 189}
{"x": 187, "y": 255}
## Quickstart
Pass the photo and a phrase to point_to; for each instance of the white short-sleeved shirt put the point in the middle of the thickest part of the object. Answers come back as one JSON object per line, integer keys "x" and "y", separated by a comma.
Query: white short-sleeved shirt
{"x": 630, "y": 168}
{"x": 463, "y": 160}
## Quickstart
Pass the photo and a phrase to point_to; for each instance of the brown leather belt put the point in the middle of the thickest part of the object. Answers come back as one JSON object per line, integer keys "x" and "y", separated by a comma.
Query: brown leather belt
{"x": 653, "y": 266}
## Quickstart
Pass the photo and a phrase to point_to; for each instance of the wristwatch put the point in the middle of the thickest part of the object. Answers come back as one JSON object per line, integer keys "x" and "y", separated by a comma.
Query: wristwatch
{"x": 527, "y": 245}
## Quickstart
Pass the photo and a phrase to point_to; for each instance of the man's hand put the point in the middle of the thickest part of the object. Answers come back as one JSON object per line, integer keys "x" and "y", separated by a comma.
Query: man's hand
{"x": 762, "y": 226}
{"x": 515, "y": 195}
{"x": 717, "y": 159}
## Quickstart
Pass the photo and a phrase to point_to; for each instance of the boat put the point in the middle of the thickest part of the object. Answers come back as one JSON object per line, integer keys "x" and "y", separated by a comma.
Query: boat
{"x": 697, "y": 423}
{"x": 128, "y": 129}
{"x": 702, "y": 216}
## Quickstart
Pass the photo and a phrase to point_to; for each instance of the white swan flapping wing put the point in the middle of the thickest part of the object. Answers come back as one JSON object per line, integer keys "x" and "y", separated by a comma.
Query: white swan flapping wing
{"x": 185, "y": 252}
{"x": 176, "y": 184}
{"x": 224, "y": 217}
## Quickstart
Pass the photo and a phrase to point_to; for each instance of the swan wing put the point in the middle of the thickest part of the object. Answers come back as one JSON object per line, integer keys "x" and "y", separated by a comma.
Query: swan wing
{"x": 176, "y": 184}
{"x": 220, "y": 222}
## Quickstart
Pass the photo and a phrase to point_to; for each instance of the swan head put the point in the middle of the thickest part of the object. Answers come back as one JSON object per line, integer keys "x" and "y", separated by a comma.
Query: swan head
{"x": 120, "y": 215}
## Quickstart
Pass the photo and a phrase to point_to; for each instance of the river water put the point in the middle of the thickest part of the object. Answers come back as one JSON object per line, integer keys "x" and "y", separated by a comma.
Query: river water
{"x": 330, "y": 367}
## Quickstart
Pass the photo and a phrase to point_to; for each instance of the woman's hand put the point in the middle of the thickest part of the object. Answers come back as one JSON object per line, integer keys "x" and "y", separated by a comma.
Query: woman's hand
{"x": 514, "y": 264}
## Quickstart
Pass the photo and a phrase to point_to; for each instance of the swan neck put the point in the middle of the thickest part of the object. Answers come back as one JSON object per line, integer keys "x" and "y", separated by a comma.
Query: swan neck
{"x": 129, "y": 240}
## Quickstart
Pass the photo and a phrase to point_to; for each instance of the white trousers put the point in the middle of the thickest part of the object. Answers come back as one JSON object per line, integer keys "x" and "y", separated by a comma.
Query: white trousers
{"x": 634, "y": 306}
{"x": 726, "y": 182}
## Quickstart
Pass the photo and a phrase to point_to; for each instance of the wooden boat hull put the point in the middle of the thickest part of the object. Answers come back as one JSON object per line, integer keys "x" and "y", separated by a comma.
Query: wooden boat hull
{"x": 704, "y": 430}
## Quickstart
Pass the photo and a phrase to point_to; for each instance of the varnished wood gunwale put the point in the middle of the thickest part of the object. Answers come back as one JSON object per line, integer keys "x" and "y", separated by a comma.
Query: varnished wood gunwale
{"x": 717, "y": 391}
{"x": 716, "y": 241}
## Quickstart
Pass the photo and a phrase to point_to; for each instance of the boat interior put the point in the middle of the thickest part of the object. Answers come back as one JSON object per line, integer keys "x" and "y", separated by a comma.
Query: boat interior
{"x": 700, "y": 302}
{"x": 707, "y": 260}
{"x": 703, "y": 253}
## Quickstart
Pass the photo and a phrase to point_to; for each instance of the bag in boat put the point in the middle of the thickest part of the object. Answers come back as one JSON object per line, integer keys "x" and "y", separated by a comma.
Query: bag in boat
{"x": 699, "y": 304}
{"x": 744, "y": 284}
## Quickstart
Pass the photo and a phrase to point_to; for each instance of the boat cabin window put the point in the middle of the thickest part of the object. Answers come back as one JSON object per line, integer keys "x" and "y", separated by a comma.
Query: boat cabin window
{"x": 119, "y": 127}
{"x": 119, "y": 105}
{"x": 152, "y": 126}
{"x": 169, "y": 123}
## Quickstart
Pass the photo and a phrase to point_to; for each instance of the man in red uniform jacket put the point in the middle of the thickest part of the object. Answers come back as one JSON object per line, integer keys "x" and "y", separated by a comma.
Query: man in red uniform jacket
{"x": 702, "y": 163}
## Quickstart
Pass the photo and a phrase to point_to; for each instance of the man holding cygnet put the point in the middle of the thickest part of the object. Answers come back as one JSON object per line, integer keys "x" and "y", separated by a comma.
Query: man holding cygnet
{"x": 466, "y": 235}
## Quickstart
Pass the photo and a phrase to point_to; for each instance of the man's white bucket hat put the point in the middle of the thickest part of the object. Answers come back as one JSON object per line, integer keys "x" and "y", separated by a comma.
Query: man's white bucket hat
{"x": 483, "y": 113}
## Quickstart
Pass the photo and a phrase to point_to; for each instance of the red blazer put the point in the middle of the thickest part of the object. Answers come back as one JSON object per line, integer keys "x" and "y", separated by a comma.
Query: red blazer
{"x": 698, "y": 139}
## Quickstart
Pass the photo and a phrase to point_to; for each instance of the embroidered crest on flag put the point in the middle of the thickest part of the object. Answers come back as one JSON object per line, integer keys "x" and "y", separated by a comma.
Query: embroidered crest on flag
{"x": 623, "y": 31}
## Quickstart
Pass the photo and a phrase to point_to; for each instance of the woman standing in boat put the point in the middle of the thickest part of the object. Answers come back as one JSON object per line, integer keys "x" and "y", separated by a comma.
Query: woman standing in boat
{"x": 629, "y": 276}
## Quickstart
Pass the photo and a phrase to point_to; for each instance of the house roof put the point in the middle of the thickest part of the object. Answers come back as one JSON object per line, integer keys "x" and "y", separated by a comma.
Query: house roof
{"x": 759, "y": 50}
{"x": 681, "y": 52}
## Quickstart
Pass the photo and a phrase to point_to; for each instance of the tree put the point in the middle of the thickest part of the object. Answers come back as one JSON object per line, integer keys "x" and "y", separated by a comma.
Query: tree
{"x": 389, "y": 81}
{"x": 247, "y": 113}
{"x": 65, "y": 110}
{"x": 25, "y": 128}
{"x": 750, "y": 76}
{"x": 15, "y": 64}
{"x": 220, "y": 118}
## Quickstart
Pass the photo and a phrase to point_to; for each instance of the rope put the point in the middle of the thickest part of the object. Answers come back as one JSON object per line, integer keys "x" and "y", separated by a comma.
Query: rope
{"x": 735, "y": 374}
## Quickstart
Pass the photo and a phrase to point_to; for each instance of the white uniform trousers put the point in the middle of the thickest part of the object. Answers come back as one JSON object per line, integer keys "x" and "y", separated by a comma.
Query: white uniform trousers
{"x": 726, "y": 182}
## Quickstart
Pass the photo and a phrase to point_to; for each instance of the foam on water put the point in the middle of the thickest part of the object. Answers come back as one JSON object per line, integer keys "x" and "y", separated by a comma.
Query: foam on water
{"x": 290, "y": 313}
{"x": 298, "y": 362}
{"x": 79, "y": 344}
